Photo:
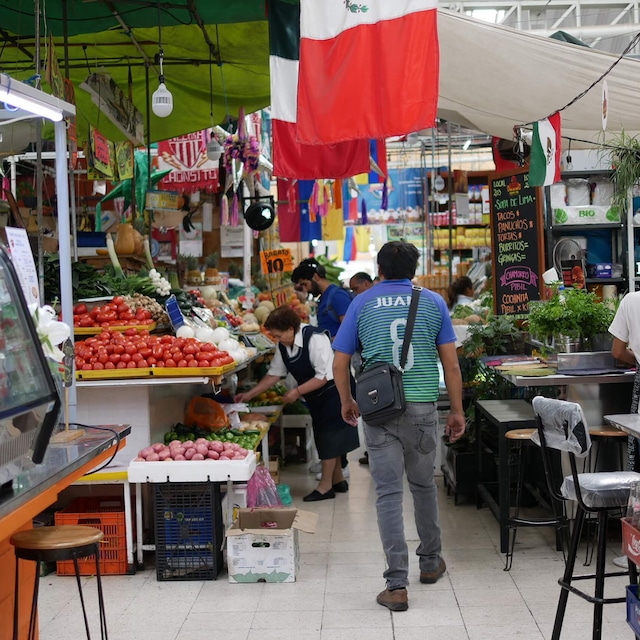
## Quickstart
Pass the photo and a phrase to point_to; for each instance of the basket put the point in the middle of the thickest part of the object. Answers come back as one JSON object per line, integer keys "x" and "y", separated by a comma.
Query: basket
{"x": 106, "y": 514}
{"x": 189, "y": 531}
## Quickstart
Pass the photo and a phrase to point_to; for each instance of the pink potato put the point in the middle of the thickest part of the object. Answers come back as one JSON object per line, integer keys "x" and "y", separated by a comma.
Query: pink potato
{"x": 238, "y": 456}
{"x": 187, "y": 444}
{"x": 158, "y": 446}
{"x": 138, "y": 459}
{"x": 216, "y": 445}
{"x": 202, "y": 448}
{"x": 143, "y": 453}
{"x": 153, "y": 457}
{"x": 179, "y": 457}
{"x": 164, "y": 454}
{"x": 202, "y": 441}
{"x": 177, "y": 451}
{"x": 213, "y": 455}
{"x": 223, "y": 457}
{"x": 175, "y": 443}
{"x": 189, "y": 453}
{"x": 197, "y": 456}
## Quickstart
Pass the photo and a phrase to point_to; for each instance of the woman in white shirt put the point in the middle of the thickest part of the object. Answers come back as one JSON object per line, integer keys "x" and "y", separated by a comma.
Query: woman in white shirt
{"x": 305, "y": 352}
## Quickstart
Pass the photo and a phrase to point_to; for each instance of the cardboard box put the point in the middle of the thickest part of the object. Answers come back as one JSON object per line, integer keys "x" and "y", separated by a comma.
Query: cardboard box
{"x": 259, "y": 554}
{"x": 588, "y": 214}
{"x": 274, "y": 468}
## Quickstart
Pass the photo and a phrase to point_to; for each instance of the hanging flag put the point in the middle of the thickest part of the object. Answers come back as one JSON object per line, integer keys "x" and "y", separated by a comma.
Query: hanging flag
{"x": 544, "y": 167}
{"x": 366, "y": 70}
{"x": 294, "y": 221}
{"x": 290, "y": 158}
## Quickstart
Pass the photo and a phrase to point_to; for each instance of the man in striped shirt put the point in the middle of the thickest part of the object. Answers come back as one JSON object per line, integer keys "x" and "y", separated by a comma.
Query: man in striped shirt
{"x": 376, "y": 320}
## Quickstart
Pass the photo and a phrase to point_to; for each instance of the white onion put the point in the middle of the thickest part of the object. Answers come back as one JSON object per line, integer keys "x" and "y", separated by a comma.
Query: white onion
{"x": 204, "y": 334}
{"x": 220, "y": 334}
{"x": 185, "y": 332}
{"x": 229, "y": 345}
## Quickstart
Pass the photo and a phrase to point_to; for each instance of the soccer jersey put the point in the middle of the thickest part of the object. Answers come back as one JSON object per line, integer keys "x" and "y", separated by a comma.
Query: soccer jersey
{"x": 333, "y": 304}
{"x": 376, "y": 319}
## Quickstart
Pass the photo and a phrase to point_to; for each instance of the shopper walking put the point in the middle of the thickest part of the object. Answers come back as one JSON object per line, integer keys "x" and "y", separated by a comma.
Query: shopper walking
{"x": 305, "y": 352}
{"x": 376, "y": 320}
{"x": 460, "y": 291}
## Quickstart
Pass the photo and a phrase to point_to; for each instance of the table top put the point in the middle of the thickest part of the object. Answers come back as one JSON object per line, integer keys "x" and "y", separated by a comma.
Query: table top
{"x": 507, "y": 411}
{"x": 561, "y": 379}
{"x": 627, "y": 422}
{"x": 60, "y": 460}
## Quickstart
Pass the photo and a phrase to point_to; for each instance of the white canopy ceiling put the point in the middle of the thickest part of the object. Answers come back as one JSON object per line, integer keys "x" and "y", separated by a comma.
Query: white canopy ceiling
{"x": 493, "y": 78}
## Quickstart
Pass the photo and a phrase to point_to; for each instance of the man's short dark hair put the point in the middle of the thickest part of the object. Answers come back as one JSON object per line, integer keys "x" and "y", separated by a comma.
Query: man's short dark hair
{"x": 398, "y": 260}
{"x": 362, "y": 276}
{"x": 307, "y": 269}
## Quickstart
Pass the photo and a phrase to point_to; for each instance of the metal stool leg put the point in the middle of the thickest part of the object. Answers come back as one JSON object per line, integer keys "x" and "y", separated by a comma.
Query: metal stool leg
{"x": 513, "y": 526}
{"x": 103, "y": 614}
{"x": 79, "y": 582}
{"x": 600, "y": 575}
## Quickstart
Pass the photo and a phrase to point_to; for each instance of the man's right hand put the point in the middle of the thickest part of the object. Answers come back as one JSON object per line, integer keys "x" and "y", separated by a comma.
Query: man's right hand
{"x": 350, "y": 412}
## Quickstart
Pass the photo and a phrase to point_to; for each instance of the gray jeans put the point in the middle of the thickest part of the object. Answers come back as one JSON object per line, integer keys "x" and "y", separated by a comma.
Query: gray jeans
{"x": 406, "y": 444}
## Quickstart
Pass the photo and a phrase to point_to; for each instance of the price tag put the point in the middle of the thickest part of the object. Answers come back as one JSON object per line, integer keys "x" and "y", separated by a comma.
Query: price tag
{"x": 276, "y": 261}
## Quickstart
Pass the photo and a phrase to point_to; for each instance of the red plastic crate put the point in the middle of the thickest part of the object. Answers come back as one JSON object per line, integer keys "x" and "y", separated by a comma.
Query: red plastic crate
{"x": 106, "y": 514}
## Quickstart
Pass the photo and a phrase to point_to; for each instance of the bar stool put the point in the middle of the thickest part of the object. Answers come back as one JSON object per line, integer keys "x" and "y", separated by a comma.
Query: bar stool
{"x": 53, "y": 544}
{"x": 520, "y": 439}
{"x": 604, "y": 435}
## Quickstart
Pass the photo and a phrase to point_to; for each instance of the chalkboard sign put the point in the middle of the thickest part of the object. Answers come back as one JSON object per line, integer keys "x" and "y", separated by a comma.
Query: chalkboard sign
{"x": 516, "y": 242}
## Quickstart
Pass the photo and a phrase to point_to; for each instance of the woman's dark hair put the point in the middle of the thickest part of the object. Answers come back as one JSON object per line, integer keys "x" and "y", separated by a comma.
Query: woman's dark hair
{"x": 283, "y": 318}
{"x": 398, "y": 260}
{"x": 458, "y": 287}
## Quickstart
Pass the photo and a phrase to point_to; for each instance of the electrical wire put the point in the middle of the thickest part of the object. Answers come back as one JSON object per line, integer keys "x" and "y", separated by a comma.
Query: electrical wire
{"x": 117, "y": 444}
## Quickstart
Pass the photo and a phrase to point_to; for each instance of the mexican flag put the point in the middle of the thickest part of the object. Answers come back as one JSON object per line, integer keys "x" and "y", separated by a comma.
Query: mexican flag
{"x": 546, "y": 147}
{"x": 368, "y": 69}
{"x": 290, "y": 158}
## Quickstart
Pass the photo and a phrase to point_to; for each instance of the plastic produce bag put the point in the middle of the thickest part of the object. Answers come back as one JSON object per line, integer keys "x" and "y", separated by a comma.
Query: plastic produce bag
{"x": 205, "y": 414}
{"x": 262, "y": 490}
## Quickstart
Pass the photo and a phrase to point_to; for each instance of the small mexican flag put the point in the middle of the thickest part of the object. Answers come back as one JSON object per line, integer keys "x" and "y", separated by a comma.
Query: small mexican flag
{"x": 544, "y": 166}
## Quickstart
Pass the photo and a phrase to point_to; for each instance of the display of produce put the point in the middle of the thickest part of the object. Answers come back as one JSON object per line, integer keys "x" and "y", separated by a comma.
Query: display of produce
{"x": 247, "y": 434}
{"x": 139, "y": 301}
{"x": 201, "y": 449}
{"x": 138, "y": 349}
{"x": 117, "y": 313}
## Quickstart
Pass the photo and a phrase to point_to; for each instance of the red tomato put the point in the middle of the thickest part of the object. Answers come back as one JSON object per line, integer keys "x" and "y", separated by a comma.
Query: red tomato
{"x": 189, "y": 348}
{"x": 130, "y": 332}
{"x": 157, "y": 351}
{"x": 115, "y": 358}
{"x": 118, "y": 348}
{"x": 170, "y": 363}
{"x": 145, "y": 352}
{"x": 161, "y": 364}
{"x": 121, "y": 365}
{"x": 87, "y": 367}
{"x": 189, "y": 357}
{"x": 182, "y": 364}
{"x": 144, "y": 333}
{"x": 136, "y": 357}
{"x": 79, "y": 362}
{"x": 131, "y": 349}
{"x": 86, "y": 322}
{"x": 151, "y": 361}
{"x": 167, "y": 339}
{"x": 94, "y": 312}
{"x": 132, "y": 365}
{"x": 109, "y": 348}
{"x": 193, "y": 363}
{"x": 179, "y": 343}
{"x": 125, "y": 357}
{"x": 98, "y": 366}
{"x": 118, "y": 300}
{"x": 103, "y": 358}
{"x": 109, "y": 365}
{"x": 123, "y": 308}
{"x": 76, "y": 321}
{"x": 204, "y": 364}
{"x": 208, "y": 346}
{"x": 142, "y": 364}
{"x": 125, "y": 317}
{"x": 145, "y": 322}
{"x": 80, "y": 309}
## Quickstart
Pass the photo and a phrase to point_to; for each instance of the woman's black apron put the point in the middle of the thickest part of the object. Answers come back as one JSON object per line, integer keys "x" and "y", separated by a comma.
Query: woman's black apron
{"x": 333, "y": 436}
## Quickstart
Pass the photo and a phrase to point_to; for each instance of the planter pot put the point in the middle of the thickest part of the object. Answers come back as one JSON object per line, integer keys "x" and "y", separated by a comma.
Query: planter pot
{"x": 567, "y": 344}
{"x": 602, "y": 342}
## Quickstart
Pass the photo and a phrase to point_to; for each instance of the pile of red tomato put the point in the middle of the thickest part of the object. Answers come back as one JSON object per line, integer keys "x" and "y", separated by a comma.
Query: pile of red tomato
{"x": 137, "y": 349}
{"x": 115, "y": 314}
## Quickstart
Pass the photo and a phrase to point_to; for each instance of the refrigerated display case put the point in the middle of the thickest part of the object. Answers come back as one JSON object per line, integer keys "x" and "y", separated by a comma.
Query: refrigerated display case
{"x": 29, "y": 401}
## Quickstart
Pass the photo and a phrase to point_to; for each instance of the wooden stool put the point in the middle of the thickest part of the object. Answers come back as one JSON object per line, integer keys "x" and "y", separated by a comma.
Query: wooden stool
{"x": 602, "y": 435}
{"x": 521, "y": 438}
{"x": 53, "y": 544}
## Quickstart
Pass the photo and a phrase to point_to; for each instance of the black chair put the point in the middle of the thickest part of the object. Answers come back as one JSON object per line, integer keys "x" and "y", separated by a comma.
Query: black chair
{"x": 562, "y": 426}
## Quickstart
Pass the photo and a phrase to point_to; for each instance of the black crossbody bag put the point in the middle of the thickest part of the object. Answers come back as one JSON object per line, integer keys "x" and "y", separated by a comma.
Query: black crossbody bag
{"x": 379, "y": 389}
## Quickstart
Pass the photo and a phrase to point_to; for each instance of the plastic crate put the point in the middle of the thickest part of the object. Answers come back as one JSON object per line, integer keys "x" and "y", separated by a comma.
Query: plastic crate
{"x": 189, "y": 531}
{"x": 106, "y": 514}
{"x": 633, "y": 608}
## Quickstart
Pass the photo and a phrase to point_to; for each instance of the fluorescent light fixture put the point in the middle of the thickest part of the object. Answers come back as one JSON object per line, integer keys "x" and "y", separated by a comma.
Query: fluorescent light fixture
{"x": 467, "y": 144}
{"x": 21, "y": 95}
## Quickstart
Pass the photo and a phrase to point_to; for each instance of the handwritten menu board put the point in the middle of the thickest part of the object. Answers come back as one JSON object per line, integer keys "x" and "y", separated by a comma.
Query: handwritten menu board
{"x": 516, "y": 242}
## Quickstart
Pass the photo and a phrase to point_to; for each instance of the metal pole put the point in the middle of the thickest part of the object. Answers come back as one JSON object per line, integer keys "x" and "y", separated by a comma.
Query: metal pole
{"x": 148, "y": 99}
{"x": 451, "y": 201}
{"x": 72, "y": 178}
{"x": 64, "y": 233}
{"x": 39, "y": 176}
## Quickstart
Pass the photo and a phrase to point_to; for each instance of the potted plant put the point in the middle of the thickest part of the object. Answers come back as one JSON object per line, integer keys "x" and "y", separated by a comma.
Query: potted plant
{"x": 211, "y": 274}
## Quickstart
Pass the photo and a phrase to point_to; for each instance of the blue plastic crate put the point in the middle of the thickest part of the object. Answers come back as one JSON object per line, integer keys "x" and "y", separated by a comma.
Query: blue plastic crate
{"x": 633, "y": 608}
{"x": 192, "y": 525}
{"x": 92, "y": 239}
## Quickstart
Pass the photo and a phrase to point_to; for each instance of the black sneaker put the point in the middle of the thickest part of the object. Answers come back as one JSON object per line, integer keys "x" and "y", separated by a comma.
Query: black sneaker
{"x": 365, "y": 458}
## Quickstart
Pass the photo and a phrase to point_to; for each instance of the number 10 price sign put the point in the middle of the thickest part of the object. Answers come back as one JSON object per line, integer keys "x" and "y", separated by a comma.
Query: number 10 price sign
{"x": 276, "y": 261}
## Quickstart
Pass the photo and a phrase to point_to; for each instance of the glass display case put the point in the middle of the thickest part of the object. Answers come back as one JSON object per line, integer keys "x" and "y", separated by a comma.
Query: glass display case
{"x": 29, "y": 401}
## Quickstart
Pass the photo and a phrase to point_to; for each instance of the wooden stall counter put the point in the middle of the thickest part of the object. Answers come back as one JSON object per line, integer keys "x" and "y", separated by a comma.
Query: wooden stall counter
{"x": 34, "y": 491}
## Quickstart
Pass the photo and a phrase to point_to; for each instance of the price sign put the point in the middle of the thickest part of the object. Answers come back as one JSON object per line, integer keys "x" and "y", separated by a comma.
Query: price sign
{"x": 276, "y": 261}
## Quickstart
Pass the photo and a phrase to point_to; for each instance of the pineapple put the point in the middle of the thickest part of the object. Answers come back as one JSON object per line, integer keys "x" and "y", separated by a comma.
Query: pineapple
{"x": 211, "y": 274}
{"x": 192, "y": 267}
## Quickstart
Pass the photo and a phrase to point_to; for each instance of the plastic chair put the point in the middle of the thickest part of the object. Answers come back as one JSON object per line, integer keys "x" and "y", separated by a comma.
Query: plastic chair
{"x": 521, "y": 439}
{"x": 54, "y": 544}
{"x": 562, "y": 426}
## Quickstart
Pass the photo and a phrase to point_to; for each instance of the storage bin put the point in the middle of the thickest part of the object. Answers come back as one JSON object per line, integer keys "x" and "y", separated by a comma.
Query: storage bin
{"x": 106, "y": 514}
{"x": 189, "y": 531}
{"x": 633, "y": 608}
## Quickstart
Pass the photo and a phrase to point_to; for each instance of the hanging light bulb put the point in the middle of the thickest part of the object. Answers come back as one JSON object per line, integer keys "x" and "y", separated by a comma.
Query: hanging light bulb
{"x": 162, "y": 100}
{"x": 214, "y": 149}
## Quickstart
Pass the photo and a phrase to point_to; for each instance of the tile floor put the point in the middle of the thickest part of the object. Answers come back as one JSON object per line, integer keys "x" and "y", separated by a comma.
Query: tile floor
{"x": 340, "y": 575}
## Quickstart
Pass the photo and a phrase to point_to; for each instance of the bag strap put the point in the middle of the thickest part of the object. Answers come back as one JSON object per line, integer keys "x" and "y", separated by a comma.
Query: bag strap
{"x": 411, "y": 320}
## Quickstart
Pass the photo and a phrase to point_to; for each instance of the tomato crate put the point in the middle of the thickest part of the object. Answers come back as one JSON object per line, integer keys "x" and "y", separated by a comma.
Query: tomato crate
{"x": 630, "y": 541}
{"x": 106, "y": 514}
{"x": 189, "y": 530}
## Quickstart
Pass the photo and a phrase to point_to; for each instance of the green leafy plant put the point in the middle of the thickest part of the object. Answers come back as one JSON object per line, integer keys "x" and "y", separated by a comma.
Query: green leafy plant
{"x": 211, "y": 261}
{"x": 498, "y": 336}
{"x": 191, "y": 263}
{"x": 625, "y": 160}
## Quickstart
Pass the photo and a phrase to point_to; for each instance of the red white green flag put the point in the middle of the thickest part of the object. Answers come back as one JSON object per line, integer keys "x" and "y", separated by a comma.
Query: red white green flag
{"x": 290, "y": 158}
{"x": 368, "y": 69}
{"x": 546, "y": 147}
